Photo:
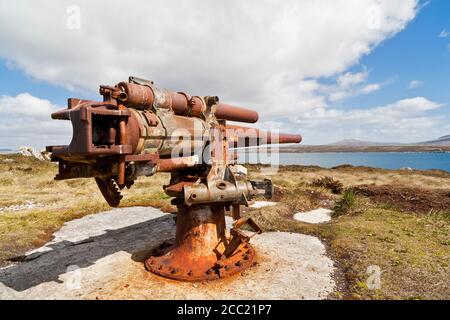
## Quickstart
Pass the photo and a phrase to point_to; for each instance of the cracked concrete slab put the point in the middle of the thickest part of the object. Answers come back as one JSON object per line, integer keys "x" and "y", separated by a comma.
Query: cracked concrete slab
{"x": 100, "y": 257}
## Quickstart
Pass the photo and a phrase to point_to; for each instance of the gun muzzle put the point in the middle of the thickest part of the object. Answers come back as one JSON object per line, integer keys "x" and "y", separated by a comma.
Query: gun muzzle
{"x": 248, "y": 137}
{"x": 238, "y": 114}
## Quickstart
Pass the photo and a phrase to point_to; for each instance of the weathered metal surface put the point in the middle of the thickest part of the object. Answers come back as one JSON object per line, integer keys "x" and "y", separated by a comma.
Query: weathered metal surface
{"x": 232, "y": 113}
{"x": 138, "y": 130}
{"x": 200, "y": 244}
{"x": 246, "y": 137}
{"x": 169, "y": 165}
{"x": 110, "y": 190}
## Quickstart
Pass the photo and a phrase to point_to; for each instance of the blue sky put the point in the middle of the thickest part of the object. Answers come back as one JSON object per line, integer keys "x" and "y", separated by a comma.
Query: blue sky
{"x": 316, "y": 69}
{"x": 416, "y": 53}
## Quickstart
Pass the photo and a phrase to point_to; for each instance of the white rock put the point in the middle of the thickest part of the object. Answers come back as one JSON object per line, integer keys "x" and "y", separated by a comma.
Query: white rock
{"x": 262, "y": 204}
{"x": 320, "y": 215}
{"x": 25, "y": 206}
{"x": 30, "y": 152}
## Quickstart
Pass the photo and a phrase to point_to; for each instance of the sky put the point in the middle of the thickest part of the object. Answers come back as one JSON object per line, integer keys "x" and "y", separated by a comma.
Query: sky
{"x": 329, "y": 70}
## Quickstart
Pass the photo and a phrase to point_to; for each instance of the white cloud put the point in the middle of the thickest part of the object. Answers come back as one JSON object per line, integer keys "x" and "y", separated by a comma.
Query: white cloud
{"x": 403, "y": 121}
{"x": 371, "y": 88}
{"x": 349, "y": 79}
{"x": 269, "y": 55}
{"x": 25, "y": 120}
{"x": 444, "y": 34}
{"x": 25, "y": 105}
{"x": 233, "y": 49}
{"x": 349, "y": 85}
{"x": 382, "y": 115}
{"x": 415, "y": 84}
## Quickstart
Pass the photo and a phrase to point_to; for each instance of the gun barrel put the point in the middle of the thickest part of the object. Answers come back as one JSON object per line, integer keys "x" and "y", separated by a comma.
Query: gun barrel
{"x": 247, "y": 137}
{"x": 232, "y": 113}
{"x": 145, "y": 96}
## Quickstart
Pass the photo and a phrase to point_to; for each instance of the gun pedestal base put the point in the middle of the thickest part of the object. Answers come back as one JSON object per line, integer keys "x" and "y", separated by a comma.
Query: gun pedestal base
{"x": 200, "y": 244}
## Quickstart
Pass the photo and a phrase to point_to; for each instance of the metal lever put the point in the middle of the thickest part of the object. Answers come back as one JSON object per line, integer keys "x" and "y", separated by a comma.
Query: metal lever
{"x": 238, "y": 237}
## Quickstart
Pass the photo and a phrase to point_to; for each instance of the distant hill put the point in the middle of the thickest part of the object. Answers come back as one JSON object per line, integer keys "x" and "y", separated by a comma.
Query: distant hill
{"x": 442, "y": 141}
{"x": 4, "y": 150}
{"x": 360, "y": 143}
{"x": 441, "y": 144}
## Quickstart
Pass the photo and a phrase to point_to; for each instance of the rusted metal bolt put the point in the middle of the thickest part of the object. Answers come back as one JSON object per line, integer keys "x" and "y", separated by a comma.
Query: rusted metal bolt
{"x": 221, "y": 185}
{"x": 123, "y": 96}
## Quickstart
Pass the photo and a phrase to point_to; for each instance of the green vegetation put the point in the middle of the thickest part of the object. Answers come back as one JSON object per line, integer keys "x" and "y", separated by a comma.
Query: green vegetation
{"x": 399, "y": 222}
{"x": 345, "y": 203}
{"x": 411, "y": 250}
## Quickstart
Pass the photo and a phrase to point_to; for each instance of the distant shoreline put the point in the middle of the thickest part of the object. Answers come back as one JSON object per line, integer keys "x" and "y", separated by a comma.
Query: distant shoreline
{"x": 329, "y": 149}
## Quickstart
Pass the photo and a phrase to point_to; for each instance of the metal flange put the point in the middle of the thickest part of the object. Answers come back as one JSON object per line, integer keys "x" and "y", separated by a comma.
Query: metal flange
{"x": 178, "y": 265}
{"x": 202, "y": 250}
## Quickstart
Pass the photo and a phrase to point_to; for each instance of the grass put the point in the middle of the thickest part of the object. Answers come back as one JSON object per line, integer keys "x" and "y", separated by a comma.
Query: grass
{"x": 410, "y": 248}
{"x": 333, "y": 185}
{"x": 411, "y": 251}
{"x": 26, "y": 179}
{"x": 345, "y": 203}
{"x": 409, "y": 244}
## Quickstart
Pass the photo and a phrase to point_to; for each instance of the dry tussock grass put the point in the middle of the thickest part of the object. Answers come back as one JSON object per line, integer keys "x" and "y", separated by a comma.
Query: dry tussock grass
{"x": 28, "y": 179}
{"x": 411, "y": 246}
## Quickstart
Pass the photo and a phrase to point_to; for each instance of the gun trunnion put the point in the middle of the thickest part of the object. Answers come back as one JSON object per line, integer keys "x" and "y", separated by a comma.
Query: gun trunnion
{"x": 138, "y": 130}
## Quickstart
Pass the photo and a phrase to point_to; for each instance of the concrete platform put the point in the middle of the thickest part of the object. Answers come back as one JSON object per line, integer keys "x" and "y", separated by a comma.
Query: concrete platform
{"x": 100, "y": 257}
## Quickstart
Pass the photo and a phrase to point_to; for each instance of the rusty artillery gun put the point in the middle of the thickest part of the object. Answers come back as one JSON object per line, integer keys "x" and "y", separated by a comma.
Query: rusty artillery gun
{"x": 138, "y": 130}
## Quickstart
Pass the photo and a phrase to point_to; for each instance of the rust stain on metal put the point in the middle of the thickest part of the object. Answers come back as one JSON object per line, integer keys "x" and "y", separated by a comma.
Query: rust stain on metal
{"x": 138, "y": 130}
{"x": 200, "y": 244}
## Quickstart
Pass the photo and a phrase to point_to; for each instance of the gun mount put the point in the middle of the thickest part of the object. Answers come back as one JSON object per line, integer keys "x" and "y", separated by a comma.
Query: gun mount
{"x": 138, "y": 130}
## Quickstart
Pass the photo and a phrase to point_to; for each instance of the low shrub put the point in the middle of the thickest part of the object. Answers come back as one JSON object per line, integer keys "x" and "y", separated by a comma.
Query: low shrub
{"x": 329, "y": 183}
